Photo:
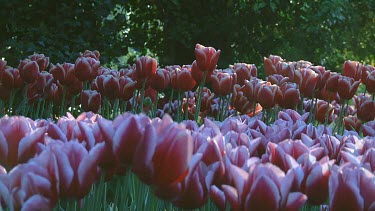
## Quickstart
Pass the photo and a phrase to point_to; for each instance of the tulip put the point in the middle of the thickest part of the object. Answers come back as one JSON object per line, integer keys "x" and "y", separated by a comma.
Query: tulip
{"x": 352, "y": 123}
{"x": 145, "y": 67}
{"x": 42, "y": 61}
{"x": 352, "y": 69}
{"x": 11, "y": 78}
{"x": 239, "y": 101}
{"x": 93, "y": 54}
{"x": 265, "y": 187}
{"x": 28, "y": 70}
{"x": 351, "y": 188}
{"x": 55, "y": 93}
{"x": 348, "y": 87}
{"x": 90, "y": 100}
{"x": 366, "y": 110}
{"x": 244, "y": 72}
{"x": 332, "y": 82}
{"x": 161, "y": 80}
{"x": 290, "y": 95}
{"x": 285, "y": 69}
{"x": 182, "y": 80}
{"x": 127, "y": 87}
{"x": 86, "y": 68}
{"x": 269, "y": 67}
{"x": 277, "y": 79}
{"x": 64, "y": 73}
{"x": 222, "y": 83}
{"x": 324, "y": 112}
{"x": 206, "y": 57}
{"x": 370, "y": 83}
{"x": 3, "y": 64}
{"x": 330, "y": 144}
{"x": 368, "y": 128}
{"x": 309, "y": 82}
{"x": 267, "y": 95}
{"x": 198, "y": 73}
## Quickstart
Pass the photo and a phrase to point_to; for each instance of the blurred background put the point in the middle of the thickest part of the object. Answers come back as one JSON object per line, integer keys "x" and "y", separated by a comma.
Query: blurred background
{"x": 325, "y": 32}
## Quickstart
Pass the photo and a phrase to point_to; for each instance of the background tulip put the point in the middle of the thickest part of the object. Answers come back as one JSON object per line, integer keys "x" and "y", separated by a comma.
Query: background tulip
{"x": 28, "y": 70}
{"x": 206, "y": 57}
{"x": 90, "y": 100}
{"x": 145, "y": 67}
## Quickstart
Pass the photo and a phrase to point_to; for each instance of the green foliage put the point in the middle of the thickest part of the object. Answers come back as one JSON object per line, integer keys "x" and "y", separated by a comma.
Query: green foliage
{"x": 323, "y": 32}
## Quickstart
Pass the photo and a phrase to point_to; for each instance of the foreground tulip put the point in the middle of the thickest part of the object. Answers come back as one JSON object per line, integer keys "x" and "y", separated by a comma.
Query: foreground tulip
{"x": 351, "y": 188}
{"x": 206, "y": 57}
{"x": 162, "y": 157}
{"x": 265, "y": 187}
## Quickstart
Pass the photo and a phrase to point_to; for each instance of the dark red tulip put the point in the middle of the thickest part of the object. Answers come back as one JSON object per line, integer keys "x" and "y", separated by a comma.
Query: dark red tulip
{"x": 239, "y": 101}
{"x": 145, "y": 67}
{"x": 182, "y": 80}
{"x": 86, "y": 68}
{"x": 290, "y": 95}
{"x": 90, "y": 100}
{"x": 267, "y": 95}
{"x": 309, "y": 82}
{"x": 42, "y": 61}
{"x": 348, "y": 87}
{"x": 366, "y": 110}
{"x": 370, "y": 83}
{"x": 324, "y": 109}
{"x": 222, "y": 83}
{"x": 28, "y": 70}
{"x": 352, "y": 123}
{"x": 64, "y": 73}
{"x": 332, "y": 82}
{"x": 277, "y": 79}
{"x": 206, "y": 57}
{"x": 352, "y": 69}
{"x": 93, "y": 54}
{"x": 55, "y": 93}
{"x": 160, "y": 80}
{"x": 11, "y": 78}
{"x": 207, "y": 99}
{"x": 127, "y": 87}
{"x": 269, "y": 67}
{"x": 244, "y": 72}
{"x": 286, "y": 69}
{"x": 198, "y": 73}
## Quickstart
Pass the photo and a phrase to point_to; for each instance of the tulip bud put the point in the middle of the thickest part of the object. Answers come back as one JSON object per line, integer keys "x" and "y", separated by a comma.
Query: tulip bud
{"x": 277, "y": 79}
{"x": 244, "y": 72}
{"x": 93, "y": 54}
{"x": 370, "y": 83}
{"x": 352, "y": 123}
{"x": 86, "y": 68}
{"x": 222, "y": 83}
{"x": 182, "y": 80}
{"x": 366, "y": 110}
{"x": 348, "y": 87}
{"x": 160, "y": 80}
{"x": 127, "y": 87}
{"x": 145, "y": 67}
{"x": 290, "y": 95}
{"x": 352, "y": 69}
{"x": 267, "y": 95}
{"x": 64, "y": 73}
{"x": 42, "y": 61}
{"x": 11, "y": 78}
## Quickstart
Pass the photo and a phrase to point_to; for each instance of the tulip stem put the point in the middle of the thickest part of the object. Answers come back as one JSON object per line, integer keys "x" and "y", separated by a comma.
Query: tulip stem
{"x": 115, "y": 108}
{"x": 327, "y": 111}
{"x": 200, "y": 90}
{"x": 179, "y": 111}
{"x": 187, "y": 106}
{"x": 62, "y": 108}
{"x": 170, "y": 102}
{"x": 142, "y": 95}
{"x": 219, "y": 108}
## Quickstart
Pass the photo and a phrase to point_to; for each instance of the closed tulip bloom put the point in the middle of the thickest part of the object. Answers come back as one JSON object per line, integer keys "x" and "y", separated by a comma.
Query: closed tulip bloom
{"x": 206, "y": 57}
{"x": 182, "y": 80}
{"x": 321, "y": 111}
{"x": 222, "y": 83}
{"x": 145, "y": 67}
{"x": 127, "y": 87}
{"x": 269, "y": 67}
{"x": 42, "y": 61}
{"x": 332, "y": 82}
{"x": 309, "y": 82}
{"x": 290, "y": 95}
{"x": 86, "y": 68}
{"x": 366, "y": 110}
{"x": 11, "y": 78}
{"x": 161, "y": 80}
{"x": 91, "y": 100}
{"x": 352, "y": 69}
{"x": 370, "y": 83}
{"x": 267, "y": 95}
{"x": 28, "y": 70}
{"x": 198, "y": 75}
{"x": 111, "y": 87}
{"x": 352, "y": 123}
{"x": 239, "y": 101}
{"x": 244, "y": 72}
{"x": 64, "y": 73}
{"x": 285, "y": 69}
{"x": 348, "y": 87}
{"x": 93, "y": 54}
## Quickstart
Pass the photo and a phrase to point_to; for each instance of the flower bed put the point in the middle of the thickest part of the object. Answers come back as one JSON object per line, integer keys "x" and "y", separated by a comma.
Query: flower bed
{"x": 189, "y": 137}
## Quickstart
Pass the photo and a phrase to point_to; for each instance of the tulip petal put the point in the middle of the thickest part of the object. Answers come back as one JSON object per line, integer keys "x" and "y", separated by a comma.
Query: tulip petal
{"x": 218, "y": 197}
{"x": 26, "y": 147}
{"x": 295, "y": 201}
{"x": 264, "y": 195}
{"x": 232, "y": 195}
{"x": 3, "y": 148}
{"x": 37, "y": 202}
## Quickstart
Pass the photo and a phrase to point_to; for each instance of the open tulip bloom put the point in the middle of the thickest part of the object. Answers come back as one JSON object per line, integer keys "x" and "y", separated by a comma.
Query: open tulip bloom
{"x": 82, "y": 136}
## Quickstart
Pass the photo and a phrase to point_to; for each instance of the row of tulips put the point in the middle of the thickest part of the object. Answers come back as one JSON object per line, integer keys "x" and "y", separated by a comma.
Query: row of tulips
{"x": 240, "y": 162}
{"x": 190, "y": 91}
